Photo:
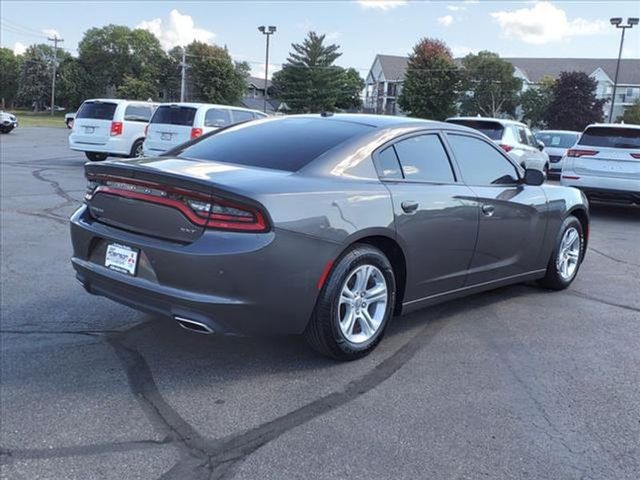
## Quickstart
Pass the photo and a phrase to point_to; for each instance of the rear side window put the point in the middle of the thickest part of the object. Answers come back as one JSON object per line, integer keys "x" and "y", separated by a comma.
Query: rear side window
{"x": 217, "y": 117}
{"x": 612, "y": 137}
{"x": 137, "y": 113}
{"x": 97, "y": 110}
{"x": 480, "y": 163}
{"x": 242, "y": 116}
{"x": 424, "y": 158}
{"x": 174, "y": 115}
{"x": 284, "y": 144}
{"x": 387, "y": 164}
{"x": 493, "y": 130}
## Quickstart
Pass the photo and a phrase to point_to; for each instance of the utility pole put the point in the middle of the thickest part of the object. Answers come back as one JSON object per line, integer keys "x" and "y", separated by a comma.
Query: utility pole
{"x": 55, "y": 41}
{"x": 183, "y": 81}
{"x": 268, "y": 31}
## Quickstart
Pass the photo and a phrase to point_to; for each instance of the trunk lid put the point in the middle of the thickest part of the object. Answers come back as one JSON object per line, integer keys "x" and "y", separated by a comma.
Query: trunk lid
{"x": 609, "y": 162}
{"x": 170, "y": 126}
{"x": 164, "y": 197}
{"x": 92, "y": 124}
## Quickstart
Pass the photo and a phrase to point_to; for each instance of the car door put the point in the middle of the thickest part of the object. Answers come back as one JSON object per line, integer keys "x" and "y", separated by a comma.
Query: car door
{"x": 436, "y": 216}
{"x": 513, "y": 216}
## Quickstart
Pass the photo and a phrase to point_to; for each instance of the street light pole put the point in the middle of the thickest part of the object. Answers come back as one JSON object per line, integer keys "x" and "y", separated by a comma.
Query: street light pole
{"x": 617, "y": 22}
{"x": 268, "y": 31}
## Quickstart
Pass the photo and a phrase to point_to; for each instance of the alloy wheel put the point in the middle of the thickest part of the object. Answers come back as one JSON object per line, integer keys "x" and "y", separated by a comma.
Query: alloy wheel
{"x": 569, "y": 253}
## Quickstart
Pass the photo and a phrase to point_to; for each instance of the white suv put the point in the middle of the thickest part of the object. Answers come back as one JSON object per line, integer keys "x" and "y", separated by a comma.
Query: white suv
{"x": 176, "y": 123}
{"x": 513, "y": 137}
{"x": 605, "y": 163}
{"x": 109, "y": 127}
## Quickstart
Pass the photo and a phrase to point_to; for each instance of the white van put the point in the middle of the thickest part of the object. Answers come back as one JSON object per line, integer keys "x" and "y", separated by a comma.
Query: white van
{"x": 109, "y": 127}
{"x": 176, "y": 123}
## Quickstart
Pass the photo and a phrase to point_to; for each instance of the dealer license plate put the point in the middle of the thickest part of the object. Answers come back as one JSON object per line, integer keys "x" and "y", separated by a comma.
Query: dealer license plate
{"x": 121, "y": 258}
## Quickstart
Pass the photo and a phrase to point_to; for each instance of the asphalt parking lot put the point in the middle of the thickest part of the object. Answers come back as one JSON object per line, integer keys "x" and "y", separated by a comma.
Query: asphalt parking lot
{"x": 514, "y": 383}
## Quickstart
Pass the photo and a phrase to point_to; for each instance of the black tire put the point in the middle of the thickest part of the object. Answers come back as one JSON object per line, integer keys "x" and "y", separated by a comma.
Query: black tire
{"x": 136, "y": 148}
{"x": 96, "y": 156}
{"x": 553, "y": 278}
{"x": 5, "y": 129}
{"x": 323, "y": 332}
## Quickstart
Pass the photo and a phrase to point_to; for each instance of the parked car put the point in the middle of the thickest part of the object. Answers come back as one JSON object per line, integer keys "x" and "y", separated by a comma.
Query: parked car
{"x": 69, "y": 119}
{"x": 176, "y": 123}
{"x": 513, "y": 137}
{"x": 325, "y": 226}
{"x": 556, "y": 144}
{"x": 7, "y": 122}
{"x": 605, "y": 163}
{"x": 110, "y": 127}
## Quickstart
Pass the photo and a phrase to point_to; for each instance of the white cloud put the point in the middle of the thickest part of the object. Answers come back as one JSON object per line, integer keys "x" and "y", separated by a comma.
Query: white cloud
{"x": 258, "y": 70}
{"x": 544, "y": 23}
{"x": 456, "y": 8}
{"x": 462, "y": 51}
{"x": 19, "y": 48}
{"x": 50, "y": 32}
{"x": 445, "y": 21}
{"x": 178, "y": 30}
{"x": 381, "y": 4}
{"x": 333, "y": 35}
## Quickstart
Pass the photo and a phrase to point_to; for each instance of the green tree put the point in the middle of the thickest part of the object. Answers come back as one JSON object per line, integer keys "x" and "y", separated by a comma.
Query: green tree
{"x": 574, "y": 104}
{"x": 9, "y": 73}
{"x": 350, "y": 88}
{"x": 309, "y": 81}
{"x": 74, "y": 84}
{"x": 432, "y": 81}
{"x": 134, "y": 88}
{"x": 34, "y": 90}
{"x": 632, "y": 114}
{"x": 111, "y": 52}
{"x": 214, "y": 77}
{"x": 535, "y": 102}
{"x": 490, "y": 88}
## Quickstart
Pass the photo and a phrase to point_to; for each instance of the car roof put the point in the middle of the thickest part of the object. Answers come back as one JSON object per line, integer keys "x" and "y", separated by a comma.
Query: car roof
{"x": 377, "y": 121}
{"x": 205, "y": 105}
{"x": 614, "y": 125}
{"x": 558, "y": 131}
{"x": 118, "y": 100}
{"x": 503, "y": 121}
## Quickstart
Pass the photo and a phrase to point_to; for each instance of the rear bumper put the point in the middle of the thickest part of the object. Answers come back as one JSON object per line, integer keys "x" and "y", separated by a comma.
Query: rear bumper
{"x": 113, "y": 146}
{"x": 235, "y": 283}
{"x": 605, "y": 189}
{"x": 621, "y": 197}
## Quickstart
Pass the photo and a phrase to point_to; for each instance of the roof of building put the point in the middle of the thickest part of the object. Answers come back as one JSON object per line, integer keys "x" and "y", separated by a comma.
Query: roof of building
{"x": 258, "y": 82}
{"x": 394, "y": 67}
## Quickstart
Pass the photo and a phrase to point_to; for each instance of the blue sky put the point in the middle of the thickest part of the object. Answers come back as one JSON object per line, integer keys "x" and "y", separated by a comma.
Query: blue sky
{"x": 362, "y": 28}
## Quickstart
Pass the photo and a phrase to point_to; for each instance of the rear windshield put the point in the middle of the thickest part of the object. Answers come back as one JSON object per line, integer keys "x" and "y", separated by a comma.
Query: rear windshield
{"x": 612, "y": 137}
{"x": 97, "y": 110}
{"x": 493, "y": 130}
{"x": 174, "y": 115}
{"x": 556, "y": 139}
{"x": 286, "y": 144}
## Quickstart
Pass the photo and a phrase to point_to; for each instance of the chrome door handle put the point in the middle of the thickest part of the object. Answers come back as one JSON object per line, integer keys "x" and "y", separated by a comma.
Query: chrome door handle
{"x": 488, "y": 210}
{"x": 409, "y": 206}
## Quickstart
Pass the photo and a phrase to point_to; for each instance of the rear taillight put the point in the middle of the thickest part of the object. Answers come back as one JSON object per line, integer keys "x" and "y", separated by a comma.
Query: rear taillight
{"x": 636, "y": 155}
{"x": 505, "y": 147}
{"x": 200, "y": 208}
{"x": 576, "y": 152}
{"x": 116, "y": 128}
{"x": 195, "y": 132}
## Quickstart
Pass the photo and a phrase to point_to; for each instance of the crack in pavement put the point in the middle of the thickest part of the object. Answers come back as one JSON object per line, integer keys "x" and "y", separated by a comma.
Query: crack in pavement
{"x": 610, "y": 257}
{"x": 601, "y": 300}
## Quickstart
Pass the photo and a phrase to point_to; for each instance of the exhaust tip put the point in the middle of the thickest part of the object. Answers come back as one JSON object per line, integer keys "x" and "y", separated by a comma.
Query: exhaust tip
{"x": 194, "y": 326}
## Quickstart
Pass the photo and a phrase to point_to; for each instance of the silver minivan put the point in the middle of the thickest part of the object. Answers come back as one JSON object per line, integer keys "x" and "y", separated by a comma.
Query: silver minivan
{"x": 176, "y": 123}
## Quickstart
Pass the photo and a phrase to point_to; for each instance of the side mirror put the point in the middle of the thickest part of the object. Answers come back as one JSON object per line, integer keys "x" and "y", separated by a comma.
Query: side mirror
{"x": 540, "y": 145}
{"x": 533, "y": 177}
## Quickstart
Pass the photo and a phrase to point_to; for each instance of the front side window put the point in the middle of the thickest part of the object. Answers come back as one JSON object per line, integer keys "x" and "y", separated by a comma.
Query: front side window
{"x": 480, "y": 162}
{"x": 424, "y": 158}
{"x": 217, "y": 117}
{"x": 137, "y": 113}
{"x": 521, "y": 135}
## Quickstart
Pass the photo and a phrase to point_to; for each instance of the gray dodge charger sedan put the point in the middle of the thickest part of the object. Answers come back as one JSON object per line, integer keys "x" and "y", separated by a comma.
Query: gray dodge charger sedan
{"x": 321, "y": 225}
